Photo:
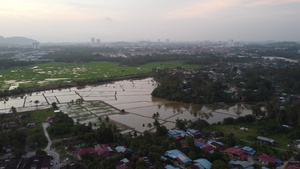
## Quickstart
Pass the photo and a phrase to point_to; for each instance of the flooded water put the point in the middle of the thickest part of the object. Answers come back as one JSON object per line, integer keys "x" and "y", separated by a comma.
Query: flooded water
{"x": 280, "y": 58}
{"x": 132, "y": 96}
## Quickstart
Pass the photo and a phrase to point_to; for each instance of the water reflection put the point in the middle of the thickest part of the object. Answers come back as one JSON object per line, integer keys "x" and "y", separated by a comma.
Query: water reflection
{"x": 135, "y": 97}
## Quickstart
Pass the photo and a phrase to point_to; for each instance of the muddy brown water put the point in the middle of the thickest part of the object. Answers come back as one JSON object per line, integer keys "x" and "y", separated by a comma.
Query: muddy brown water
{"x": 132, "y": 96}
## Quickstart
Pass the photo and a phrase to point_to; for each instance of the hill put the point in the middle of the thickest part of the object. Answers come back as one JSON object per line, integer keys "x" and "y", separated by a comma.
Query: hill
{"x": 16, "y": 41}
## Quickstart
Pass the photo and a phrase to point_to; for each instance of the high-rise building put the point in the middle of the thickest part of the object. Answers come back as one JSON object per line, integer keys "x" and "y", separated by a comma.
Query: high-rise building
{"x": 36, "y": 45}
{"x": 92, "y": 41}
{"x": 98, "y": 41}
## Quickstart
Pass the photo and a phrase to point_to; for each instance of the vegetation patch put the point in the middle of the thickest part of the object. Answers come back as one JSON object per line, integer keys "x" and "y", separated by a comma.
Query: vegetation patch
{"x": 58, "y": 73}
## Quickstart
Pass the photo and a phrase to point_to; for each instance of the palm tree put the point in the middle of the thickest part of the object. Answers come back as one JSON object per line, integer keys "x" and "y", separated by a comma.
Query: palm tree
{"x": 4, "y": 106}
{"x": 36, "y": 102}
{"x": 13, "y": 109}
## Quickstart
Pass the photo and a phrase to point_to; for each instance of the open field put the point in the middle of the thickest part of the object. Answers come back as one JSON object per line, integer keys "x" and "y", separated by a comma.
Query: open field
{"x": 282, "y": 140}
{"x": 55, "y": 73}
{"x": 36, "y": 116}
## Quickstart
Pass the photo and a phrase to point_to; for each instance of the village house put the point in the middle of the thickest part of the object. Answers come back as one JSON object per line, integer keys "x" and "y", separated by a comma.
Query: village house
{"x": 123, "y": 149}
{"x": 236, "y": 153}
{"x": 170, "y": 167}
{"x": 178, "y": 134}
{"x": 38, "y": 162}
{"x": 104, "y": 150}
{"x": 30, "y": 125}
{"x": 146, "y": 160}
{"x": 217, "y": 144}
{"x": 265, "y": 140}
{"x": 194, "y": 133}
{"x": 124, "y": 163}
{"x": 178, "y": 155}
{"x": 89, "y": 150}
{"x": 293, "y": 165}
{"x": 248, "y": 150}
{"x": 240, "y": 164}
{"x": 50, "y": 120}
{"x": 201, "y": 163}
{"x": 267, "y": 159}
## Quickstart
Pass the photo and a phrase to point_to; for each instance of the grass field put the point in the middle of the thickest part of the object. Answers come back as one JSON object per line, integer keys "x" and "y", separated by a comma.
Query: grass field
{"x": 55, "y": 72}
{"x": 282, "y": 140}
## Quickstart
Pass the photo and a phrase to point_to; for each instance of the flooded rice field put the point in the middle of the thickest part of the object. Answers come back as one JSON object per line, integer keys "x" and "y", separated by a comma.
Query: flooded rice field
{"x": 133, "y": 96}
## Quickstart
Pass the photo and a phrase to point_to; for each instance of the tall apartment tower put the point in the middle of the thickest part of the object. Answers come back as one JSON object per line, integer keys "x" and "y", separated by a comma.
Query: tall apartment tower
{"x": 92, "y": 41}
{"x": 35, "y": 45}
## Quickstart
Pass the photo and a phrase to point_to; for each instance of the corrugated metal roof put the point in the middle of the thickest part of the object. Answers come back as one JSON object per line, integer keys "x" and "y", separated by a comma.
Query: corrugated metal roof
{"x": 170, "y": 167}
{"x": 176, "y": 154}
{"x": 203, "y": 163}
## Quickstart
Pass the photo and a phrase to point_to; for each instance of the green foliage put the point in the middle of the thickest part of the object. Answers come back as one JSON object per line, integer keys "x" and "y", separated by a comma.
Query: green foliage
{"x": 154, "y": 157}
{"x": 54, "y": 105}
{"x": 62, "y": 126}
{"x": 77, "y": 73}
{"x": 230, "y": 140}
{"x": 37, "y": 137}
{"x": 19, "y": 152}
{"x": 40, "y": 152}
{"x": 17, "y": 138}
{"x": 217, "y": 164}
{"x": 181, "y": 124}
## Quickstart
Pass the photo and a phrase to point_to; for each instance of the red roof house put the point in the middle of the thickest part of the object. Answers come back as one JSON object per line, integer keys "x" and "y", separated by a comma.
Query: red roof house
{"x": 89, "y": 150}
{"x": 208, "y": 148}
{"x": 104, "y": 150}
{"x": 237, "y": 153}
{"x": 266, "y": 159}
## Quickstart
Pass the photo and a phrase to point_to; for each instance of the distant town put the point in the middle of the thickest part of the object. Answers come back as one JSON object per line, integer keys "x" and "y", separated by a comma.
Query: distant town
{"x": 46, "y": 123}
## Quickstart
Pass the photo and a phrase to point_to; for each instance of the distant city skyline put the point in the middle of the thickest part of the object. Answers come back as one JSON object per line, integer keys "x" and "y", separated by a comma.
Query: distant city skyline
{"x": 135, "y": 20}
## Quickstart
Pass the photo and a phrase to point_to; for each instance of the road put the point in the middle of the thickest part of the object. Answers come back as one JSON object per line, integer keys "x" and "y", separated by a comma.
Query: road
{"x": 56, "y": 162}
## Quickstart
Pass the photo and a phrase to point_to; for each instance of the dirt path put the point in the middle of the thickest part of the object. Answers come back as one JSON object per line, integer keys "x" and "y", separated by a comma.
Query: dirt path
{"x": 56, "y": 162}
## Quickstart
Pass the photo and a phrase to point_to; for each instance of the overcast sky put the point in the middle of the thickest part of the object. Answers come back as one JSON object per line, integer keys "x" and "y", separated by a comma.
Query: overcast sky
{"x": 134, "y": 20}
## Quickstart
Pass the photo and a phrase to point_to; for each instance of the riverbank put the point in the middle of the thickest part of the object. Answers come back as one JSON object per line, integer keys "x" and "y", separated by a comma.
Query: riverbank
{"x": 75, "y": 83}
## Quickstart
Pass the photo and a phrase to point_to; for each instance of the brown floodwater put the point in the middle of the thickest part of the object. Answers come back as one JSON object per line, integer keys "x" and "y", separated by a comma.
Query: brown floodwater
{"x": 132, "y": 96}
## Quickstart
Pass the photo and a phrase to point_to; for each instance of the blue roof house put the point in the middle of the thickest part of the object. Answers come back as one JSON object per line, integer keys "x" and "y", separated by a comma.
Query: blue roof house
{"x": 177, "y": 154}
{"x": 202, "y": 163}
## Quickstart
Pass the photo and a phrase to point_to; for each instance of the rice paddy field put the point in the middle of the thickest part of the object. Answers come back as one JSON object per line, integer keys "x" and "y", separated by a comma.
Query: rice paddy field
{"x": 89, "y": 111}
{"x": 56, "y": 73}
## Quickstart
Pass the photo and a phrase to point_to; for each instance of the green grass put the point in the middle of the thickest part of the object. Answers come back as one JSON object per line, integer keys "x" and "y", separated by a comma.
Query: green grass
{"x": 39, "y": 116}
{"x": 235, "y": 129}
{"x": 35, "y": 75}
{"x": 282, "y": 140}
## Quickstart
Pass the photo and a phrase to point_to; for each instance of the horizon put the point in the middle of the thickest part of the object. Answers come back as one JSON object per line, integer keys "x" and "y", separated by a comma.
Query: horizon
{"x": 141, "y": 20}
{"x": 196, "y": 41}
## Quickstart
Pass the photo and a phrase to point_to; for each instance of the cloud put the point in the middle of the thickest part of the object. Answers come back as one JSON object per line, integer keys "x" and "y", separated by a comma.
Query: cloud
{"x": 201, "y": 8}
{"x": 258, "y": 3}
{"x": 108, "y": 19}
{"x": 204, "y": 7}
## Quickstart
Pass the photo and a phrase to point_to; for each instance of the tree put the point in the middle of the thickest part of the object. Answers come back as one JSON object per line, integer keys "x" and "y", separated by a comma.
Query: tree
{"x": 36, "y": 102}
{"x": 149, "y": 125}
{"x": 217, "y": 164}
{"x": 13, "y": 109}
{"x": 19, "y": 152}
{"x": 154, "y": 156}
{"x": 54, "y": 105}
{"x": 181, "y": 124}
{"x": 40, "y": 152}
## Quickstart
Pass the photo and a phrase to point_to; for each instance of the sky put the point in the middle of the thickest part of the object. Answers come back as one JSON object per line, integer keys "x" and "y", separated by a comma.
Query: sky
{"x": 136, "y": 20}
